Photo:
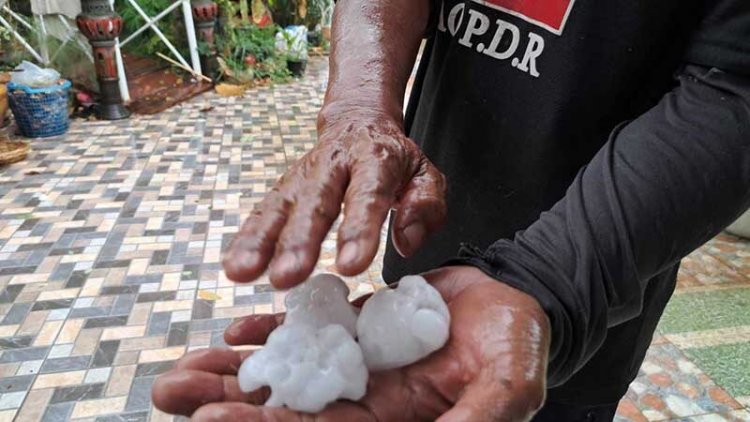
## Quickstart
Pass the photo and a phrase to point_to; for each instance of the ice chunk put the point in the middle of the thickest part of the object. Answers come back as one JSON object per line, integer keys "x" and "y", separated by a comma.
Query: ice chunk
{"x": 306, "y": 367}
{"x": 397, "y": 327}
{"x": 312, "y": 359}
{"x": 321, "y": 301}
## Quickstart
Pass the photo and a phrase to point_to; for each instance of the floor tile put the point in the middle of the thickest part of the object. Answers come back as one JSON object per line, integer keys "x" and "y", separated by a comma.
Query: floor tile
{"x": 109, "y": 264}
{"x": 669, "y": 385}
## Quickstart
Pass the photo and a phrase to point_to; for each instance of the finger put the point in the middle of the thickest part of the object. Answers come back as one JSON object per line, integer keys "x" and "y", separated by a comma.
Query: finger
{"x": 215, "y": 360}
{"x": 253, "y": 247}
{"x": 316, "y": 208}
{"x": 253, "y": 329}
{"x": 371, "y": 193}
{"x": 181, "y": 392}
{"x": 335, "y": 412}
{"x": 420, "y": 210}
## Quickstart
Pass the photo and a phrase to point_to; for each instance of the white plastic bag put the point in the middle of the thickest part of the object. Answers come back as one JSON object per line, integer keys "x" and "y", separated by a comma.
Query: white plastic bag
{"x": 33, "y": 76}
{"x": 292, "y": 41}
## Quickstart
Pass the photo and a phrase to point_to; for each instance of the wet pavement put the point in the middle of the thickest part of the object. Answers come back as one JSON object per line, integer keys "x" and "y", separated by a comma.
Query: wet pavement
{"x": 111, "y": 237}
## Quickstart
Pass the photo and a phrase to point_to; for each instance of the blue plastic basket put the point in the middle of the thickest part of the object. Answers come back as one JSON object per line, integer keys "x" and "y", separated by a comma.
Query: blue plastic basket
{"x": 40, "y": 112}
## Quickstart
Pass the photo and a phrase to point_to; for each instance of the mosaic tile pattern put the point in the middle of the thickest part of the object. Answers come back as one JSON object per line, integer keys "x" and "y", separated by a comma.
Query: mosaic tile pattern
{"x": 110, "y": 241}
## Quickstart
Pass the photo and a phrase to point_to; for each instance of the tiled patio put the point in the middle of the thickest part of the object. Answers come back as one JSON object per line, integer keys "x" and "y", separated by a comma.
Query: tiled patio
{"x": 110, "y": 241}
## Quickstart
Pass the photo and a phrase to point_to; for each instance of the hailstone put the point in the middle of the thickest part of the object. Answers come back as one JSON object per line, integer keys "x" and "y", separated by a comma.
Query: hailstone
{"x": 321, "y": 301}
{"x": 306, "y": 367}
{"x": 312, "y": 359}
{"x": 398, "y": 327}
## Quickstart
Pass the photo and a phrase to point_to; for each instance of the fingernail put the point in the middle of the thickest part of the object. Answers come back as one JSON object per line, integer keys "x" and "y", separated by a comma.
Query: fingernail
{"x": 234, "y": 329}
{"x": 287, "y": 263}
{"x": 248, "y": 258}
{"x": 413, "y": 235}
{"x": 349, "y": 253}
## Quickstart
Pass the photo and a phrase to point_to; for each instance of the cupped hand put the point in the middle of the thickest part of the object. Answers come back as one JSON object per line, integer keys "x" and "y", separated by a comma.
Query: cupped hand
{"x": 493, "y": 367}
{"x": 362, "y": 161}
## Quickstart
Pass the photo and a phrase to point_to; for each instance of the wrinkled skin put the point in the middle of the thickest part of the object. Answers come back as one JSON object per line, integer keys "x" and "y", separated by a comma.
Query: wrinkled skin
{"x": 362, "y": 161}
{"x": 492, "y": 368}
{"x": 367, "y": 164}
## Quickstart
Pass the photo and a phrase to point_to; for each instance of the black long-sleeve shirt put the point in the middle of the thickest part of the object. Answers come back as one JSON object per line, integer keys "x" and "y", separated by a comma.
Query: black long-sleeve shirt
{"x": 628, "y": 121}
{"x": 662, "y": 185}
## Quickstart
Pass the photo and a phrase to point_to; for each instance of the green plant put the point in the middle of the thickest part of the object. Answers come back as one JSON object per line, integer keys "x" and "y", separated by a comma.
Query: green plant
{"x": 11, "y": 51}
{"x": 288, "y": 12}
{"x": 317, "y": 12}
{"x": 294, "y": 50}
{"x": 5, "y": 36}
{"x": 148, "y": 43}
{"x": 248, "y": 52}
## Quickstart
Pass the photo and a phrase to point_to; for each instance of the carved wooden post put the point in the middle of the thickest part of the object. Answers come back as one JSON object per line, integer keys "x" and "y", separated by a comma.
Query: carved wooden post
{"x": 204, "y": 15}
{"x": 101, "y": 25}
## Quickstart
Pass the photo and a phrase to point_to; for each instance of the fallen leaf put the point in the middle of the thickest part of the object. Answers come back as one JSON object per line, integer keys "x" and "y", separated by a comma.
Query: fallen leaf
{"x": 206, "y": 295}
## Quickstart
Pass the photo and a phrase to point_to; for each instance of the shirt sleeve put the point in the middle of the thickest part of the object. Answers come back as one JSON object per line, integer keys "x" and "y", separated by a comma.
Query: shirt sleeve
{"x": 662, "y": 185}
{"x": 723, "y": 37}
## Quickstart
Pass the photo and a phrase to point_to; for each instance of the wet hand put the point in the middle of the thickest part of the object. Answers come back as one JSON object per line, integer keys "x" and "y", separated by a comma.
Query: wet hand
{"x": 492, "y": 368}
{"x": 362, "y": 162}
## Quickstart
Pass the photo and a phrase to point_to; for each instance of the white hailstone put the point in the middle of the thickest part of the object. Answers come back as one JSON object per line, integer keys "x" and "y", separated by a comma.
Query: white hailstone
{"x": 312, "y": 359}
{"x": 321, "y": 301}
{"x": 306, "y": 367}
{"x": 397, "y": 327}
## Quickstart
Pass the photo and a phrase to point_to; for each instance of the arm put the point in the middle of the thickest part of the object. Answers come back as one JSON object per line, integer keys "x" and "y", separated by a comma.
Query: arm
{"x": 663, "y": 185}
{"x": 363, "y": 159}
{"x": 373, "y": 48}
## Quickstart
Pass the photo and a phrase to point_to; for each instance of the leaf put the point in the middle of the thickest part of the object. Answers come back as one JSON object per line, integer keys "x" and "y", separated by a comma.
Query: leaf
{"x": 206, "y": 295}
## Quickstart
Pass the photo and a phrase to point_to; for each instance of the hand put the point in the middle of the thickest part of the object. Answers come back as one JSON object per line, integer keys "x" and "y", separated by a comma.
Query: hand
{"x": 493, "y": 367}
{"x": 367, "y": 164}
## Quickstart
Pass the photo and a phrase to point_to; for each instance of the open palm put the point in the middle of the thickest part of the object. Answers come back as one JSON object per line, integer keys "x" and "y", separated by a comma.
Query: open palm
{"x": 492, "y": 369}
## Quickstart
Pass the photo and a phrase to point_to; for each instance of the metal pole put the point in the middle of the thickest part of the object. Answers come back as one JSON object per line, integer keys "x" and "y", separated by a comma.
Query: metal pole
{"x": 122, "y": 78}
{"x": 187, "y": 11}
{"x": 150, "y": 24}
{"x": 20, "y": 39}
{"x": 158, "y": 32}
{"x": 18, "y": 17}
{"x": 42, "y": 37}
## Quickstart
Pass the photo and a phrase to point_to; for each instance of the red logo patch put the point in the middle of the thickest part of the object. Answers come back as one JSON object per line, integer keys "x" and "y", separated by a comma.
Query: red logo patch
{"x": 548, "y": 14}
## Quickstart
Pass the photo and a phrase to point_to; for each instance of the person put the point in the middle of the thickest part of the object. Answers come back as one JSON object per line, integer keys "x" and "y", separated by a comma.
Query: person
{"x": 587, "y": 147}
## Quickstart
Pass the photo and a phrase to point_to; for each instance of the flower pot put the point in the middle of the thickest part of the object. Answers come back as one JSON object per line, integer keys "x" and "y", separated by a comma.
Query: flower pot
{"x": 326, "y": 32}
{"x": 314, "y": 38}
{"x": 741, "y": 227}
{"x": 3, "y": 103}
{"x": 296, "y": 67}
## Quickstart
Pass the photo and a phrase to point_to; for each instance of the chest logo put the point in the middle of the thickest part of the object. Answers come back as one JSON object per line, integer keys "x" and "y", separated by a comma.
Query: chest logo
{"x": 548, "y": 14}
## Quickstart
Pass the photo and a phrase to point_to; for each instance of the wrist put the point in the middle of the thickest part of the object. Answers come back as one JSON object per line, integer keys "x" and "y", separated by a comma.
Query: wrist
{"x": 467, "y": 276}
{"x": 334, "y": 113}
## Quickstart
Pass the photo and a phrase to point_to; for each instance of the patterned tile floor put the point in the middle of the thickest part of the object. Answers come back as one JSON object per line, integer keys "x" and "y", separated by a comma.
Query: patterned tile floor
{"x": 110, "y": 239}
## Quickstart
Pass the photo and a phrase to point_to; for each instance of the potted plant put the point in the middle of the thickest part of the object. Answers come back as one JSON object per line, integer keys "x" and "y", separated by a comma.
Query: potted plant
{"x": 296, "y": 49}
{"x": 326, "y": 16}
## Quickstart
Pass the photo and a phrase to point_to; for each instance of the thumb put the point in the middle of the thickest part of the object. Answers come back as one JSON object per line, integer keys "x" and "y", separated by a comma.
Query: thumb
{"x": 253, "y": 329}
{"x": 420, "y": 209}
{"x": 494, "y": 400}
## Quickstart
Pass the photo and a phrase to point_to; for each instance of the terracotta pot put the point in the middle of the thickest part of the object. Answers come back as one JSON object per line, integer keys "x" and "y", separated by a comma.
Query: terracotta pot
{"x": 326, "y": 32}
{"x": 741, "y": 227}
{"x": 3, "y": 104}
